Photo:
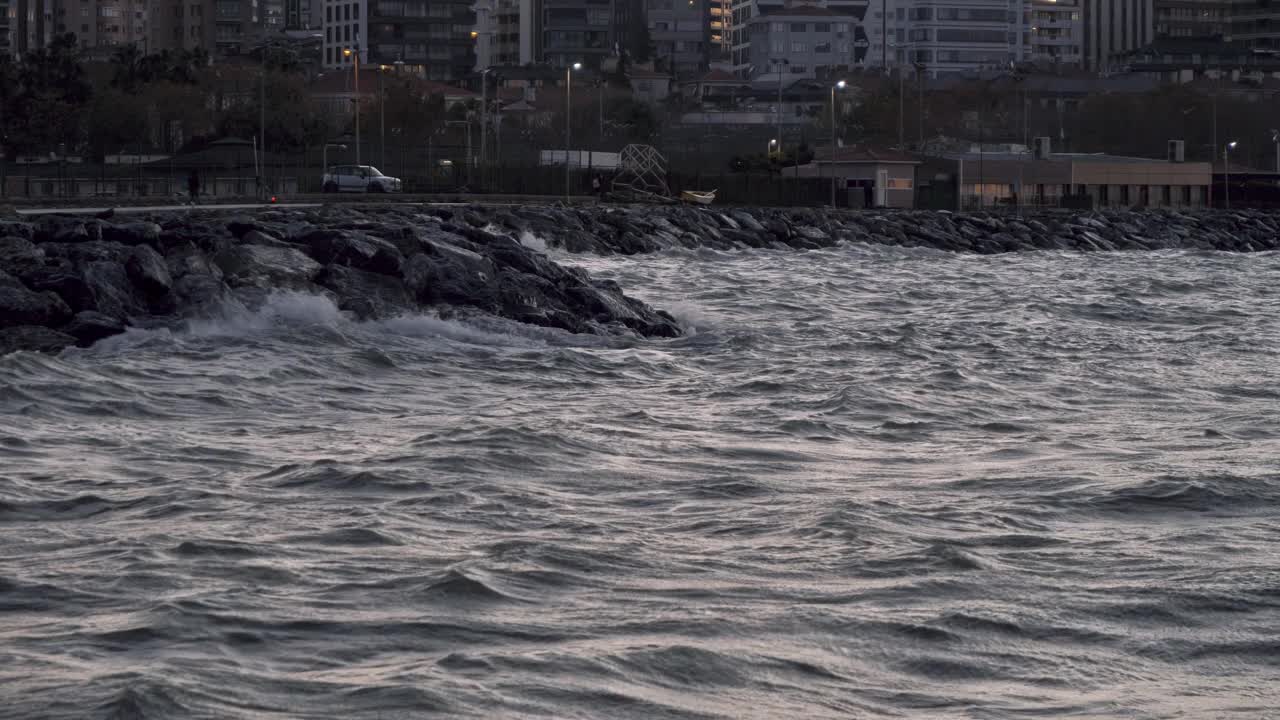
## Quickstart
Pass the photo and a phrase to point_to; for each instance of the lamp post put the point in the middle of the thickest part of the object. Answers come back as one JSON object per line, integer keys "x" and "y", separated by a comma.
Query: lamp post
{"x": 777, "y": 111}
{"x": 484, "y": 113}
{"x": 772, "y": 143}
{"x": 1275, "y": 138}
{"x": 837, "y": 86}
{"x": 1226, "y": 169}
{"x": 382, "y": 119}
{"x": 568, "y": 124}
{"x": 355, "y": 55}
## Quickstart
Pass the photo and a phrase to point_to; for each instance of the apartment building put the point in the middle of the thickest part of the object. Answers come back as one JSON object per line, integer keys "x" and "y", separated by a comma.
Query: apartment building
{"x": 1054, "y": 32}
{"x": 803, "y": 42}
{"x": 1253, "y": 22}
{"x": 680, "y": 35}
{"x": 431, "y": 38}
{"x": 504, "y": 32}
{"x": 866, "y": 14}
{"x": 955, "y": 37}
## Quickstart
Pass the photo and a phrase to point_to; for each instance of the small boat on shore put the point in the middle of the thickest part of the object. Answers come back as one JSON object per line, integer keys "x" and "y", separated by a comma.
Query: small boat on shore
{"x": 698, "y": 196}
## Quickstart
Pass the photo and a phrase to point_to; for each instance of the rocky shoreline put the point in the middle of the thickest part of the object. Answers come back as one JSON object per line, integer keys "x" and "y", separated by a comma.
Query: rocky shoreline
{"x": 74, "y": 280}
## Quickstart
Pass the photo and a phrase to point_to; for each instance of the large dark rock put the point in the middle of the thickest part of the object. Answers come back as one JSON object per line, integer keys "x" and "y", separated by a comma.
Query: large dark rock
{"x": 33, "y": 338}
{"x": 10, "y": 228}
{"x": 451, "y": 275}
{"x": 368, "y": 295}
{"x": 337, "y": 247}
{"x": 112, "y": 292}
{"x": 267, "y": 267}
{"x": 20, "y": 256}
{"x": 134, "y": 233}
{"x": 149, "y": 274}
{"x": 22, "y": 306}
{"x": 89, "y": 327}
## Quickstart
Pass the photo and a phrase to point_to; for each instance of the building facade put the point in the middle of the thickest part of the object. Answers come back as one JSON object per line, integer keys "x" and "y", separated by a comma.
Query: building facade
{"x": 803, "y": 42}
{"x": 430, "y": 38}
{"x": 1112, "y": 27}
{"x": 1253, "y": 22}
{"x": 680, "y": 35}
{"x": 1054, "y": 32}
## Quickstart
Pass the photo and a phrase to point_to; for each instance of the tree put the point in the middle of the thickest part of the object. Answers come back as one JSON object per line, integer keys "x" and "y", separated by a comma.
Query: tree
{"x": 45, "y": 111}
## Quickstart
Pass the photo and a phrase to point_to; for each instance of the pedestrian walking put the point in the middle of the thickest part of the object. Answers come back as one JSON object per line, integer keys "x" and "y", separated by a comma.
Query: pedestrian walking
{"x": 193, "y": 186}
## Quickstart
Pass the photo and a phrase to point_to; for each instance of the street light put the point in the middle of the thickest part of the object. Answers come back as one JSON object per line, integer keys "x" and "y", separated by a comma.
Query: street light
{"x": 772, "y": 143}
{"x": 777, "y": 113}
{"x": 568, "y": 110}
{"x": 838, "y": 86}
{"x": 1275, "y": 138}
{"x": 484, "y": 113}
{"x": 348, "y": 52}
{"x": 1226, "y": 168}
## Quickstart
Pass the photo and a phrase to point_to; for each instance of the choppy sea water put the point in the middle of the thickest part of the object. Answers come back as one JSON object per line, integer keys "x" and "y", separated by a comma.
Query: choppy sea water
{"x": 872, "y": 482}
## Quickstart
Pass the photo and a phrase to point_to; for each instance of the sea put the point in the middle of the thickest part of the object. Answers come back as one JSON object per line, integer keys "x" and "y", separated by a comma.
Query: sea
{"x": 868, "y": 482}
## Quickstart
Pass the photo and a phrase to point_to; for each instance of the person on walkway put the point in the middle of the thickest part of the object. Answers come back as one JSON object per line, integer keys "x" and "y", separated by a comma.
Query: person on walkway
{"x": 193, "y": 186}
{"x": 595, "y": 186}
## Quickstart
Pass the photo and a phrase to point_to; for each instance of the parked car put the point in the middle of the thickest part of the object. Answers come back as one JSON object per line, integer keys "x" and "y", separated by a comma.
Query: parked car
{"x": 358, "y": 178}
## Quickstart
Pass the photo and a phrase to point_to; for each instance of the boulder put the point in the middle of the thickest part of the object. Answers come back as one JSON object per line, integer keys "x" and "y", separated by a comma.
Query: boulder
{"x": 21, "y": 306}
{"x": 452, "y": 275}
{"x": 88, "y": 327}
{"x": 33, "y": 338}
{"x": 20, "y": 256}
{"x": 147, "y": 269}
{"x": 134, "y": 233}
{"x": 368, "y": 295}
{"x": 267, "y": 267}
{"x": 10, "y": 228}
{"x": 337, "y": 247}
{"x": 111, "y": 291}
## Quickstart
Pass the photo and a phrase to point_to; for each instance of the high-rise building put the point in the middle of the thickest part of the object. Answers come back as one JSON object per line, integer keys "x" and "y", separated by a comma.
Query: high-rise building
{"x": 1115, "y": 26}
{"x": 1054, "y": 32}
{"x": 803, "y": 41}
{"x": 303, "y": 14}
{"x": 680, "y": 35}
{"x": 1193, "y": 18}
{"x": 954, "y": 37}
{"x": 432, "y": 38}
{"x": 1255, "y": 23}
{"x": 866, "y": 13}
{"x": 586, "y": 31}
{"x": 31, "y": 24}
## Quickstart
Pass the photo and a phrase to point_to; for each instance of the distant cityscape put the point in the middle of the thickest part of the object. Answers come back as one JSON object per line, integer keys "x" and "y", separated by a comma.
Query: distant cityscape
{"x": 460, "y": 93}
{"x": 449, "y": 40}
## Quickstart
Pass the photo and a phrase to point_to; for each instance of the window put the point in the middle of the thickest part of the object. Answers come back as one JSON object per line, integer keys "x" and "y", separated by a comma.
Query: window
{"x": 328, "y": 14}
{"x": 799, "y": 70}
{"x": 823, "y": 48}
{"x": 779, "y": 47}
{"x": 899, "y": 184}
{"x": 355, "y": 12}
{"x": 777, "y": 27}
{"x": 799, "y": 27}
{"x": 597, "y": 16}
{"x": 822, "y": 27}
{"x": 799, "y": 47}
{"x": 346, "y": 12}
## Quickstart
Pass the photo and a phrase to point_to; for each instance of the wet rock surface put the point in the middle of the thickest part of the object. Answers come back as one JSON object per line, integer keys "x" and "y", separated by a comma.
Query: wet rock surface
{"x": 86, "y": 279}
{"x": 71, "y": 281}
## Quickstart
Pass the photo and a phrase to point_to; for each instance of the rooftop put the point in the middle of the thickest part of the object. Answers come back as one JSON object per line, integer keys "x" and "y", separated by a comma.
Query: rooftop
{"x": 862, "y": 154}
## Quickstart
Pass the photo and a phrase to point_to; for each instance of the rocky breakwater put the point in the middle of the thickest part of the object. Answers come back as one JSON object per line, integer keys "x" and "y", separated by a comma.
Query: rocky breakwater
{"x": 73, "y": 281}
{"x": 603, "y": 229}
